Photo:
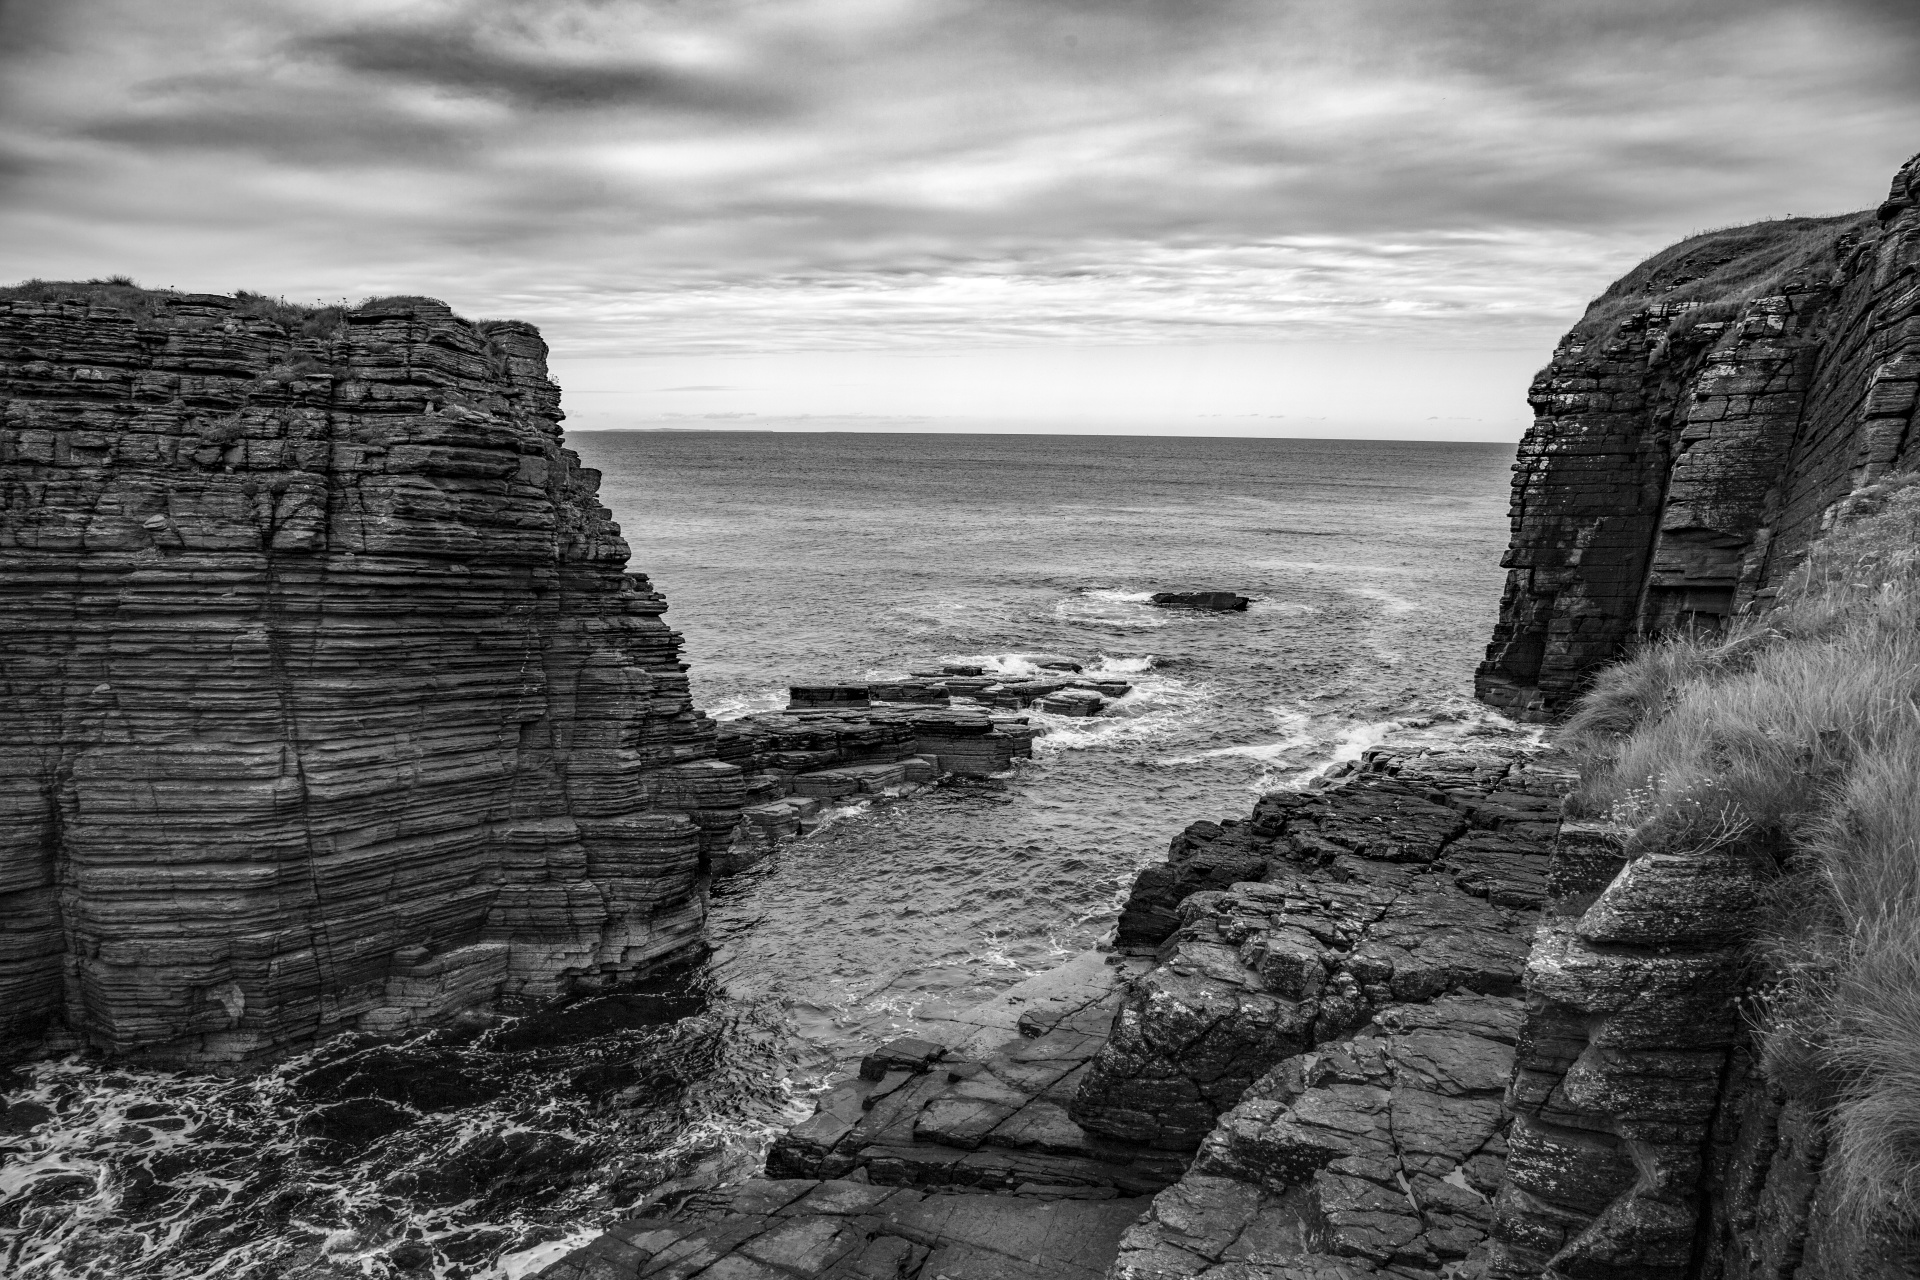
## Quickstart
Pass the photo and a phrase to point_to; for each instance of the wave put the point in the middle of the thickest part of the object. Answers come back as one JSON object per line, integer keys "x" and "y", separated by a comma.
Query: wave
{"x": 1310, "y": 744}
{"x": 1112, "y": 607}
{"x": 735, "y": 706}
{"x": 1158, "y": 706}
{"x": 1393, "y": 605}
{"x": 476, "y": 1154}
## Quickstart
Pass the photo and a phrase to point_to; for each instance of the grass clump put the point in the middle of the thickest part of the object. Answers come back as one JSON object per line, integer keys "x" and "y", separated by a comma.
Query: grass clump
{"x": 1795, "y": 737}
{"x": 1723, "y": 270}
{"x": 322, "y": 320}
{"x": 318, "y": 320}
{"x": 111, "y": 291}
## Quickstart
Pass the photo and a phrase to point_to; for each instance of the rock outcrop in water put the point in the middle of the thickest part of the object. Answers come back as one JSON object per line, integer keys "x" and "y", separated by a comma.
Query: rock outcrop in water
{"x": 330, "y": 701}
{"x": 1694, "y": 431}
{"x": 1217, "y": 601}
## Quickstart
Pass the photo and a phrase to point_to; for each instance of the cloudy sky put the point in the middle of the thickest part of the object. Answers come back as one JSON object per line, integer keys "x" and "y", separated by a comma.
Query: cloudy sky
{"x": 1318, "y": 217}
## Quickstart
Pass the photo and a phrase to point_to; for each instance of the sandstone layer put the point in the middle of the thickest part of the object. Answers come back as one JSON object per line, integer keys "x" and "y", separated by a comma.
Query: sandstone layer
{"x": 331, "y": 702}
{"x": 1693, "y": 433}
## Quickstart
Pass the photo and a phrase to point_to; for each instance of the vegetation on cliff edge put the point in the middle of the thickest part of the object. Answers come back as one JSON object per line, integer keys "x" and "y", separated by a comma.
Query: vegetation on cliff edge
{"x": 1719, "y": 272}
{"x": 318, "y": 320}
{"x": 1795, "y": 736}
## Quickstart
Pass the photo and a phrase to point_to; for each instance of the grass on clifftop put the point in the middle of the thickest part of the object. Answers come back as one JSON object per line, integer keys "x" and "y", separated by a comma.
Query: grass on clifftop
{"x": 319, "y": 320}
{"x": 1795, "y": 736}
{"x": 1720, "y": 271}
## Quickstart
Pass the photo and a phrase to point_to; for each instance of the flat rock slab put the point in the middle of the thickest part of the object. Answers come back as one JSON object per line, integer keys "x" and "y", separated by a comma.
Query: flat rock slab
{"x": 1081, "y": 994}
{"x": 797, "y": 1229}
{"x": 994, "y": 1119}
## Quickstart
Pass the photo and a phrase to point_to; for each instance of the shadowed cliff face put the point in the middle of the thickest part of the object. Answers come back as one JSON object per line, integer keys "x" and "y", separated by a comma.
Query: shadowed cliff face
{"x": 329, "y": 702}
{"x": 1693, "y": 433}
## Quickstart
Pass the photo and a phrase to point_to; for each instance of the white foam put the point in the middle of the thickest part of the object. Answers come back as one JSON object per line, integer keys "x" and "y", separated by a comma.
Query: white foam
{"x": 1266, "y": 752}
{"x": 1024, "y": 665}
{"x": 1157, "y": 705}
{"x": 1110, "y": 607}
{"x": 735, "y": 706}
{"x": 1395, "y": 605}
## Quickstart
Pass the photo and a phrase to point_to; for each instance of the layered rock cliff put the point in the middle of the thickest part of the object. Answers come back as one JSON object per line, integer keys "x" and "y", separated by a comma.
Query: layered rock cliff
{"x": 329, "y": 700}
{"x": 1696, "y": 434}
{"x": 1693, "y": 432}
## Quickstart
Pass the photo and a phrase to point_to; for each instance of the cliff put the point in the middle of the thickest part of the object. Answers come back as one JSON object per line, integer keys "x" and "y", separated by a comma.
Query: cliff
{"x": 1693, "y": 433}
{"x": 1701, "y": 1086}
{"x": 330, "y": 702}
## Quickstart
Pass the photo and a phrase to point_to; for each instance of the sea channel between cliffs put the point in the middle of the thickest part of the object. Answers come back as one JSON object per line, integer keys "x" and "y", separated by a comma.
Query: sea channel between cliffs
{"x": 355, "y": 759}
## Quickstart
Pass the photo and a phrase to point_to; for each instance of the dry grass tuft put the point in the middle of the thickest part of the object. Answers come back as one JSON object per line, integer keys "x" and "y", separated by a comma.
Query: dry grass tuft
{"x": 1796, "y": 737}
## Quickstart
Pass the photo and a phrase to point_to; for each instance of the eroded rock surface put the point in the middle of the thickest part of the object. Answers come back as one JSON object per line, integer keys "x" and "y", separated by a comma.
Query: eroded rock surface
{"x": 1645, "y": 1144}
{"x": 1381, "y": 1151}
{"x": 1415, "y": 878}
{"x": 330, "y": 701}
{"x": 1333, "y": 1032}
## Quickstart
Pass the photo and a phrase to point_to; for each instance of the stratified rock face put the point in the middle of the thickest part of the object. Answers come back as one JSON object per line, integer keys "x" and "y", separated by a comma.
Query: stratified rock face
{"x": 1415, "y": 878}
{"x": 329, "y": 701}
{"x": 1677, "y": 467}
{"x": 1334, "y": 1031}
{"x": 1645, "y": 1143}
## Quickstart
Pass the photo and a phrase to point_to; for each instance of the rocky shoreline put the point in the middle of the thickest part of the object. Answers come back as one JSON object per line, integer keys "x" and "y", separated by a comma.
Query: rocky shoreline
{"x": 1302, "y": 1070}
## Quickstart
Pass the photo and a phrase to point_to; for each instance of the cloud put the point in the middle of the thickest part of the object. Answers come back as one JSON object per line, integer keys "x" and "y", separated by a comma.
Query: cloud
{"x": 640, "y": 176}
{"x": 456, "y": 59}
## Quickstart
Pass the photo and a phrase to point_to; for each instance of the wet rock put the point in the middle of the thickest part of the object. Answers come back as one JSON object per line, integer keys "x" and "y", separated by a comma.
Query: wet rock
{"x": 1218, "y": 601}
{"x": 410, "y": 1255}
{"x": 418, "y": 1076}
{"x": 349, "y": 1127}
{"x": 1073, "y": 702}
{"x": 993, "y": 1117}
{"x": 24, "y": 1117}
{"x": 804, "y": 1228}
{"x": 909, "y": 1054}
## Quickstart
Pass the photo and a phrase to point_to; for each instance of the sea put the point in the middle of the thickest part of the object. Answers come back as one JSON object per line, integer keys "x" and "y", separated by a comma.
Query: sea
{"x": 788, "y": 558}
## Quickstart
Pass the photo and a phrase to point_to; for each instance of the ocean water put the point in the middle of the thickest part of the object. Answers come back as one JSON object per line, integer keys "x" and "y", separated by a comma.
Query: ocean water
{"x": 789, "y": 557}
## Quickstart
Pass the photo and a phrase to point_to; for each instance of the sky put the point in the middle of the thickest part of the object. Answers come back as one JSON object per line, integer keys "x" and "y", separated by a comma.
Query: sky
{"x": 1273, "y": 217}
